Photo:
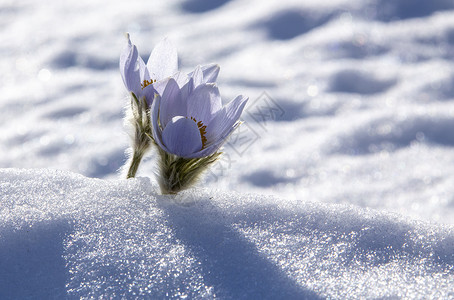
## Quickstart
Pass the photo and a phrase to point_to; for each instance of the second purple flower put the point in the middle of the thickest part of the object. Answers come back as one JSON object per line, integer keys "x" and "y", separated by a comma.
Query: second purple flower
{"x": 190, "y": 124}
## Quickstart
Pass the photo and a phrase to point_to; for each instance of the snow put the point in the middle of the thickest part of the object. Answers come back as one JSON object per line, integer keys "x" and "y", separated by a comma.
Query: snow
{"x": 66, "y": 234}
{"x": 338, "y": 184}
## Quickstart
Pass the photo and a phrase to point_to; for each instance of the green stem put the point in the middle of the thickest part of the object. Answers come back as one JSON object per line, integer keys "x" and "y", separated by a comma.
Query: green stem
{"x": 135, "y": 162}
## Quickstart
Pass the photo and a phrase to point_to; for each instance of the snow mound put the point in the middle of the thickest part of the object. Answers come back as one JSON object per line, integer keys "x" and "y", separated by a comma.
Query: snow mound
{"x": 66, "y": 235}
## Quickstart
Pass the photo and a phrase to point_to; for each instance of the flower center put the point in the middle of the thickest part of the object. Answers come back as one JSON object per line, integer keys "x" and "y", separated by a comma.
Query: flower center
{"x": 146, "y": 83}
{"x": 203, "y": 131}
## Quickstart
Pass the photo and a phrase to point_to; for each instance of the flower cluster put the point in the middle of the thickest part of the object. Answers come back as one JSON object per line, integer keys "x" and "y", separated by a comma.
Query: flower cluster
{"x": 181, "y": 114}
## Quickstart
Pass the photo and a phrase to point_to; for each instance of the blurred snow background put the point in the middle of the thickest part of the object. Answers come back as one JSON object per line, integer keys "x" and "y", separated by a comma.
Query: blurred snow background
{"x": 351, "y": 103}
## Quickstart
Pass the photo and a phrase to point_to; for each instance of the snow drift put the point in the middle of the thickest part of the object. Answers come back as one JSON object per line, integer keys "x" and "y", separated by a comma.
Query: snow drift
{"x": 65, "y": 235}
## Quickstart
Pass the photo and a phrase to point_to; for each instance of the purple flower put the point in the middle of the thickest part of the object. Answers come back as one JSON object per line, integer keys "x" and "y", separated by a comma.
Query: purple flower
{"x": 144, "y": 80}
{"x": 190, "y": 121}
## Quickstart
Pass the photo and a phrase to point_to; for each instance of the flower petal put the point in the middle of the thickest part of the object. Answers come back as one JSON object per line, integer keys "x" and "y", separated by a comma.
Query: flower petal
{"x": 130, "y": 68}
{"x": 156, "y": 88}
{"x": 149, "y": 93}
{"x": 187, "y": 89}
{"x": 182, "y": 136}
{"x": 214, "y": 146}
{"x": 204, "y": 102}
{"x": 210, "y": 73}
{"x": 197, "y": 76}
{"x": 180, "y": 78}
{"x": 172, "y": 104}
{"x": 144, "y": 75}
{"x": 163, "y": 60}
{"x": 143, "y": 70}
{"x": 156, "y": 129}
{"x": 226, "y": 118}
{"x": 207, "y": 151}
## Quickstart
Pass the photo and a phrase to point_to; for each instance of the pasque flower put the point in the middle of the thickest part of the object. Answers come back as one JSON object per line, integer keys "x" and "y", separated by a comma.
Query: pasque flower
{"x": 144, "y": 81}
{"x": 189, "y": 125}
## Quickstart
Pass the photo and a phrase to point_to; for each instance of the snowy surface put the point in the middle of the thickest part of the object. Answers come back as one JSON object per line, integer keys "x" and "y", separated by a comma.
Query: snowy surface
{"x": 349, "y": 131}
{"x": 65, "y": 234}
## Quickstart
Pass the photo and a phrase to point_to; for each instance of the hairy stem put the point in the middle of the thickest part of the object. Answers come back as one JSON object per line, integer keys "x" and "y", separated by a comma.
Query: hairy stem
{"x": 135, "y": 162}
{"x": 142, "y": 133}
{"x": 179, "y": 173}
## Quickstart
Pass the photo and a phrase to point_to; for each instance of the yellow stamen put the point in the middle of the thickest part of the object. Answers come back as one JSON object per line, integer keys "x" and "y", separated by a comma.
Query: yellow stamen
{"x": 203, "y": 131}
{"x": 147, "y": 83}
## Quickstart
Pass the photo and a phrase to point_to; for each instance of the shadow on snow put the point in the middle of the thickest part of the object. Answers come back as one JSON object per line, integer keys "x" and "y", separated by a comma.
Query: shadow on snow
{"x": 32, "y": 263}
{"x": 229, "y": 262}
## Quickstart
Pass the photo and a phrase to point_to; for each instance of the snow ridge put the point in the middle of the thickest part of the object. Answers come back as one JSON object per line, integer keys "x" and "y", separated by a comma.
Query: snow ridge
{"x": 63, "y": 234}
